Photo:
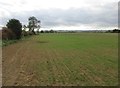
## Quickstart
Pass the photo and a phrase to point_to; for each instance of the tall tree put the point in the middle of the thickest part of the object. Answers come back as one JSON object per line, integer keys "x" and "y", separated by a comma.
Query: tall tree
{"x": 15, "y": 26}
{"x": 32, "y": 23}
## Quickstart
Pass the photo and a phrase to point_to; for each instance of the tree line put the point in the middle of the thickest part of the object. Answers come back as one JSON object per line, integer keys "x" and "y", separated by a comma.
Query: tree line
{"x": 113, "y": 31}
{"x": 13, "y": 29}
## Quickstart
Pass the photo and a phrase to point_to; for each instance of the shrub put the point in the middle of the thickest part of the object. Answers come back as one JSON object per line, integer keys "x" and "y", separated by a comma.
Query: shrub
{"x": 16, "y": 27}
{"x": 7, "y": 34}
{"x": 24, "y": 33}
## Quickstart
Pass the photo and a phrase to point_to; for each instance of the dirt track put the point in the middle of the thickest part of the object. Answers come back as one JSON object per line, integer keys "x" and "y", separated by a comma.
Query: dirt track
{"x": 15, "y": 61}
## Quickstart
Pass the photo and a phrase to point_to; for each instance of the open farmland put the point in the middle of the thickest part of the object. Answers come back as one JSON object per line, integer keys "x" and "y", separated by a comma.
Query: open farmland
{"x": 62, "y": 59}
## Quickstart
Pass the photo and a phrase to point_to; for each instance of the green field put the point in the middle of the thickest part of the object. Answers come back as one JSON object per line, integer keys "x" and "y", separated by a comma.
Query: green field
{"x": 58, "y": 59}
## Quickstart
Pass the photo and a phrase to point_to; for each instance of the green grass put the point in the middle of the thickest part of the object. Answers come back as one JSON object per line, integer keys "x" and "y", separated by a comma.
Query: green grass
{"x": 63, "y": 59}
{"x": 86, "y": 59}
{"x": 7, "y": 42}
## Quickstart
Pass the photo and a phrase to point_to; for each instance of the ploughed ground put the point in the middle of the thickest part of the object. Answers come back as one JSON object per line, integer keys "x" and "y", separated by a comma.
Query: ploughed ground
{"x": 30, "y": 63}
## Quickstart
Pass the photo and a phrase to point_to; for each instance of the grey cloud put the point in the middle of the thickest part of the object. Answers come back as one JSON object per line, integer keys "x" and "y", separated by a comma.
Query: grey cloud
{"x": 107, "y": 15}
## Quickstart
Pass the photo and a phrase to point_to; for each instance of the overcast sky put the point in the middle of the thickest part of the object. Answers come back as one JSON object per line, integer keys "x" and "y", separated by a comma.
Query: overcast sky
{"x": 59, "y": 14}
